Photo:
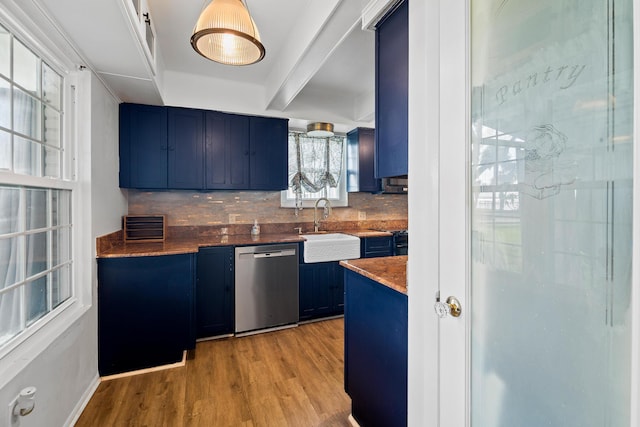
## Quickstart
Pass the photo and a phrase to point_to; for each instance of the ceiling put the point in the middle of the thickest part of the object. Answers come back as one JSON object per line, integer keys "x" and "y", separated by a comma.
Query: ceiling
{"x": 319, "y": 63}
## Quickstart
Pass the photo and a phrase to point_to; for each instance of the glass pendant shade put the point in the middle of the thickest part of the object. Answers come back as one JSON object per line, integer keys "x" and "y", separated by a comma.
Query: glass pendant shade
{"x": 226, "y": 33}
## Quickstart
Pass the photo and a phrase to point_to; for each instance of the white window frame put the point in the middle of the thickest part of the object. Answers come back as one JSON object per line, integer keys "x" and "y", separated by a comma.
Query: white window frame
{"x": 19, "y": 351}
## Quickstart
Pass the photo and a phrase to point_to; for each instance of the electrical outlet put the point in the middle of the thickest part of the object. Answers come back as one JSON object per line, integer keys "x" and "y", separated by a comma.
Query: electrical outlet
{"x": 233, "y": 218}
{"x": 362, "y": 215}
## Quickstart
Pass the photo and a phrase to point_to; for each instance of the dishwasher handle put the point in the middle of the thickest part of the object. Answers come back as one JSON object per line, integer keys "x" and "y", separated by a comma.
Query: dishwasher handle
{"x": 275, "y": 254}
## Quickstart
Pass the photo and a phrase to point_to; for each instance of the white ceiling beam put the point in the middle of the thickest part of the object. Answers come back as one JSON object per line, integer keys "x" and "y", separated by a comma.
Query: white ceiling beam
{"x": 324, "y": 26}
{"x": 374, "y": 11}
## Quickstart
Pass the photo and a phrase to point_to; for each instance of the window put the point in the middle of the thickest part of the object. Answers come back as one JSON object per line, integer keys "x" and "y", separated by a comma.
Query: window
{"x": 316, "y": 165}
{"x": 35, "y": 200}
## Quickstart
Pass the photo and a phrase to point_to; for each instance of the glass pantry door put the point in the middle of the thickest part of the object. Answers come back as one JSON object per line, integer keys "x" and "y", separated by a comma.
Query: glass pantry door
{"x": 550, "y": 196}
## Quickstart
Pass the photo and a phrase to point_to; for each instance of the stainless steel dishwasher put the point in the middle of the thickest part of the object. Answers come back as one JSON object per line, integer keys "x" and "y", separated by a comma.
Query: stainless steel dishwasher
{"x": 266, "y": 287}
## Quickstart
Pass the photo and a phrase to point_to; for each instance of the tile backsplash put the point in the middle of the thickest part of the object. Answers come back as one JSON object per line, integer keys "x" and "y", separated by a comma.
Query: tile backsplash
{"x": 194, "y": 208}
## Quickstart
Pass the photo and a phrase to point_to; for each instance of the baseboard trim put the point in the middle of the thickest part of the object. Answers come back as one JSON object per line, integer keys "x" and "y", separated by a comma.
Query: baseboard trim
{"x": 321, "y": 319}
{"x": 215, "y": 337}
{"x": 180, "y": 364}
{"x": 261, "y": 331}
{"x": 82, "y": 403}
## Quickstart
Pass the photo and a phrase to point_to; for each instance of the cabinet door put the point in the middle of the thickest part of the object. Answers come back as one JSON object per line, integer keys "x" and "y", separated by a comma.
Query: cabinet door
{"x": 392, "y": 79}
{"x": 226, "y": 151}
{"x": 376, "y": 246}
{"x": 268, "y": 153}
{"x": 315, "y": 293}
{"x": 337, "y": 289}
{"x": 321, "y": 290}
{"x": 215, "y": 292}
{"x": 145, "y": 311}
{"x": 186, "y": 148}
{"x": 143, "y": 146}
{"x": 361, "y": 161}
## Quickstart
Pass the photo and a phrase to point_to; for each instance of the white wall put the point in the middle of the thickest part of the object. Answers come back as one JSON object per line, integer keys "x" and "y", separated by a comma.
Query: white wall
{"x": 108, "y": 201}
{"x": 65, "y": 371}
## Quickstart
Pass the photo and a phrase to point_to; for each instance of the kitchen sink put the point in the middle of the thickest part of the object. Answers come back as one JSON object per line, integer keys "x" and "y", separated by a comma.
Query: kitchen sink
{"x": 330, "y": 247}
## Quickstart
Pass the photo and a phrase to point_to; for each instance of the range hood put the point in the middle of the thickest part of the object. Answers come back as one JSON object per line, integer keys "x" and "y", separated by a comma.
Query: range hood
{"x": 395, "y": 185}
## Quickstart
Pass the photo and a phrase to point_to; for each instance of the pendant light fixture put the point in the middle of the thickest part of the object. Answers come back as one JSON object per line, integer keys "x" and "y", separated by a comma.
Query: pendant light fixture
{"x": 226, "y": 33}
{"x": 320, "y": 130}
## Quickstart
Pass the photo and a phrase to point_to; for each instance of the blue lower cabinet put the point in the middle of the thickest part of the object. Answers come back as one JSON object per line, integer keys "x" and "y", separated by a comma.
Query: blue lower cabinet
{"x": 145, "y": 311}
{"x": 371, "y": 247}
{"x": 321, "y": 290}
{"x": 215, "y": 292}
{"x": 375, "y": 335}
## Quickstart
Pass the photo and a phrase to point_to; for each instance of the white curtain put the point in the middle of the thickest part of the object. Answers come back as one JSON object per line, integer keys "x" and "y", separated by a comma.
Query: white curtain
{"x": 314, "y": 163}
{"x": 10, "y": 319}
{"x": 26, "y": 160}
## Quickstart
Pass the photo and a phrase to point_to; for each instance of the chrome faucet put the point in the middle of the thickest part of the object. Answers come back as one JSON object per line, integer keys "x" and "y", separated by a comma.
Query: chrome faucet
{"x": 325, "y": 215}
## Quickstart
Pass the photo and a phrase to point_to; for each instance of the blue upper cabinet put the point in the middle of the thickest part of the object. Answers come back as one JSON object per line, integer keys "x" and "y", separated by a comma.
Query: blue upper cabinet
{"x": 268, "y": 164}
{"x": 227, "y": 151}
{"x": 143, "y": 146}
{"x": 392, "y": 83}
{"x": 361, "y": 161}
{"x": 186, "y": 148}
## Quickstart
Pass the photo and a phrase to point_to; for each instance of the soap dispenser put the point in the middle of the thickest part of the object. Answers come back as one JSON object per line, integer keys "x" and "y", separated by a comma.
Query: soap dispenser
{"x": 255, "y": 230}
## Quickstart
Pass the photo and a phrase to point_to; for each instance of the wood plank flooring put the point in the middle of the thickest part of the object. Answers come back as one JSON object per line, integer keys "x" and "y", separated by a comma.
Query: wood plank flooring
{"x": 291, "y": 377}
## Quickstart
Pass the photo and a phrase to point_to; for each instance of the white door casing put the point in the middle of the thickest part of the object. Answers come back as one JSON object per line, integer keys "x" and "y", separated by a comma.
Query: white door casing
{"x": 439, "y": 128}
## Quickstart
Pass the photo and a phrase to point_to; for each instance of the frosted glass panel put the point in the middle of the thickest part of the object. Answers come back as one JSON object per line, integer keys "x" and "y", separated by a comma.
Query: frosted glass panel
{"x": 551, "y": 159}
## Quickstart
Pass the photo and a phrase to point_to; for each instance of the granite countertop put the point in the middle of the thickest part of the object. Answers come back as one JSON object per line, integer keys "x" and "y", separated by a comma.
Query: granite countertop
{"x": 365, "y": 233}
{"x": 388, "y": 271}
{"x": 175, "y": 246}
{"x": 182, "y": 245}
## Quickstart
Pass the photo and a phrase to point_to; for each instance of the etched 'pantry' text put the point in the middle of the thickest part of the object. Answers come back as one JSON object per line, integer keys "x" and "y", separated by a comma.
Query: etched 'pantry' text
{"x": 564, "y": 75}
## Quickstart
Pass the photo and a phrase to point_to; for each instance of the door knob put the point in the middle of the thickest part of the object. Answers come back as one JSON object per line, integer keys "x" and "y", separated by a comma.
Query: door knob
{"x": 451, "y": 306}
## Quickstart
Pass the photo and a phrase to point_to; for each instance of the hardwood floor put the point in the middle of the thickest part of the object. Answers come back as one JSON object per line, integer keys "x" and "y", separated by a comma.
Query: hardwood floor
{"x": 292, "y": 377}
